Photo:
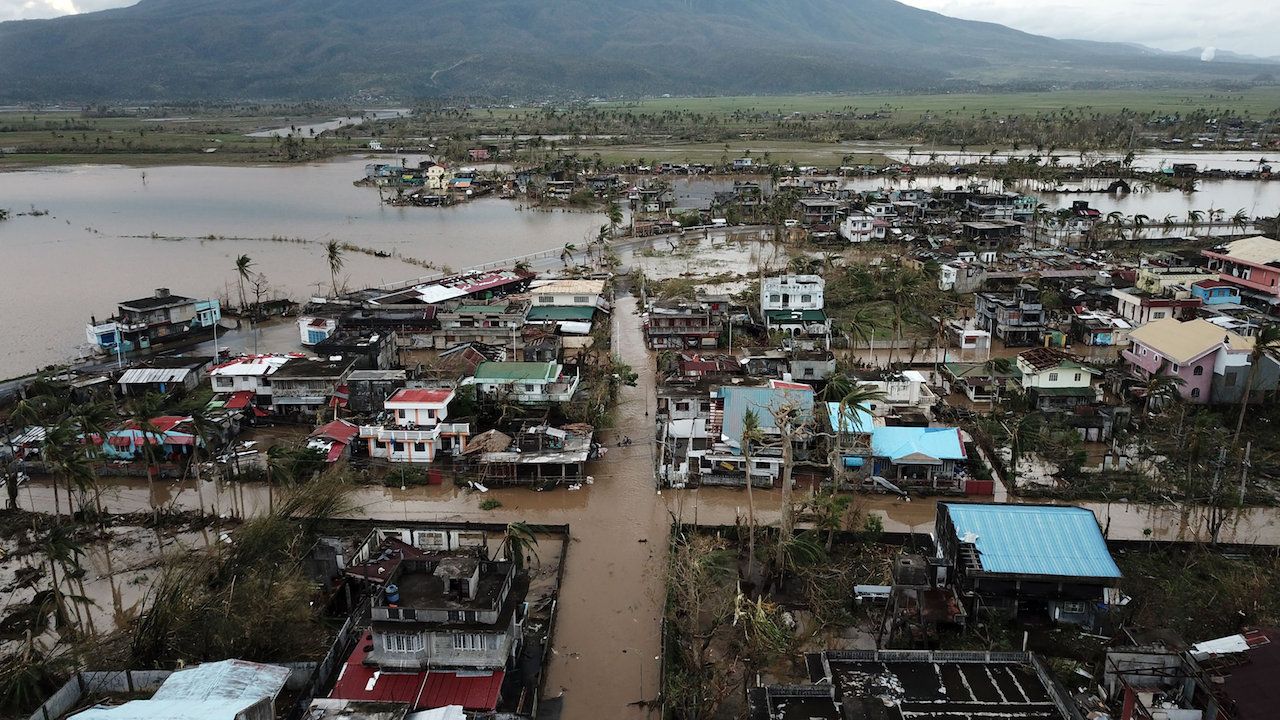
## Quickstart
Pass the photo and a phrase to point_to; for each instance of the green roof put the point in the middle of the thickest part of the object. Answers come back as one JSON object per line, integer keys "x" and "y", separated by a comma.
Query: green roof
{"x": 1064, "y": 391}
{"x": 516, "y": 371}
{"x": 794, "y": 315}
{"x": 582, "y": 313}
{"x": 964, "y": 370}
{"x": 478, "y": 308}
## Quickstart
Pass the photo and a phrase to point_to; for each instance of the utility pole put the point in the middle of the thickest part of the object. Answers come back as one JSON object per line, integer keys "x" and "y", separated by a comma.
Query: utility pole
{"x": 1245, "y": 465}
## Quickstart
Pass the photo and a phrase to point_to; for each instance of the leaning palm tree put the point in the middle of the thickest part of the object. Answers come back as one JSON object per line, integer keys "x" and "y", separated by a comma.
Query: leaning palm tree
{"x": 1240, "y": 220}
{"x": 244, "y": 267}
{"x": 64, "y": 458}
{"x": 1266, "y": 344}
{"x": 518, "y": 539}
{"x": 142, "y": 412}
{"x": 1160, "y": 389}
{"x": 1140, "y": 222}
{"x": 333, "y": 254}
{"x": 750, "y": 434}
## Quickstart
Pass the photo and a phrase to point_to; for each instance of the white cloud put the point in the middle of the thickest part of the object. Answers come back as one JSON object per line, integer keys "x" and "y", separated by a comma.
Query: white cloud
{"x": 1244, "y": 26}
{"x": 31, "y": 9}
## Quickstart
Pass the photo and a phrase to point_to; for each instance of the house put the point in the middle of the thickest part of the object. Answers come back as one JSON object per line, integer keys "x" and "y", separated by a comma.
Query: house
{"x": 679, "y": 326}
{"x": 905, "y": 391}
{"x": 861, "y": 227}
{"x": 163, "y": 375}
{"x": 1100, "y": 328}
{"x": 917, "y": 684}
{"x": 333, "y": 439}
{"x": 307, "y": 385}
{"x": 313, "y": 329}
{"x": 1251, "y": 264}
{"x": 991, "y": 233}
{"x": 920, "y": 456}
{"x": 248, "y": 378}
{"x": 794, "y": 304}
{"x": 368, "y": 389}
{"x": 1212, "y": 363}
{"x": 151, "y": 321}
{"x": 1140, "y": 308}
{"x": 527, "y": 383}
{"x": 225, "y": 690}
{"x": 169, "y": 436}
{"x": 414, "y": 428}
{"x": 371, "y": 350}
{"x": 817, "y": 210}
{"x": 980, "y": 382}
{"x": 1216, "y": 292}
{"x": 990, "y": 206}
{"x": 1035, "y": 560}
{"x": 563, "y": 319}
{"x": 1015, "y": 318}
{"x": 480, "y": 286}
{"x": 447, "y": 623}
{"x": 1053, "y": 380}
{"x": 497, "y": 323}
{"x": 724, "y": 463}
{"x": 810, "y": 365}
{"x": 540, "y": 455}
{"x": 568, "y": 292}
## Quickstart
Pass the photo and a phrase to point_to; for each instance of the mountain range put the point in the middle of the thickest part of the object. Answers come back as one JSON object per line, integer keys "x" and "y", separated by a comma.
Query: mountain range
{"x": 171, "y": 50}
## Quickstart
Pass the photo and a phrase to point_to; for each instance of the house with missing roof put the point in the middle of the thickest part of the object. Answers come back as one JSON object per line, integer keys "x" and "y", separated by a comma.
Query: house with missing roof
{"x": 152, "y": 321}
{"x": 1053, "y": 381}
{"x": 413, "y": 427}
{"x": 1213, "y": 363}
{"x": 1035, "y": 560}
{"x": 723, "y": 463}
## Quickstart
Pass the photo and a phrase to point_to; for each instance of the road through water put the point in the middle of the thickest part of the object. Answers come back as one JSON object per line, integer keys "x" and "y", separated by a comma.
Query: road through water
{"x": 608, "y": 632}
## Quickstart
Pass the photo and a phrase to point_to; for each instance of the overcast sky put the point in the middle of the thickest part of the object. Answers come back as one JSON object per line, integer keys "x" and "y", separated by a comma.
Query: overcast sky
{"x": 1246, "y": 26}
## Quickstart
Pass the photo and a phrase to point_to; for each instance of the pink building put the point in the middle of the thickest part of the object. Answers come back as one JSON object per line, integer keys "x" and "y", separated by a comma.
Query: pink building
{"x": 1252, "y": 264}
{"x": 1205, "y": 356}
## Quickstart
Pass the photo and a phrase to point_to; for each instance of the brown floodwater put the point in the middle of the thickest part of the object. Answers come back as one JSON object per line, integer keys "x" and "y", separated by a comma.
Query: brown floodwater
{"x": 115, "y": 233}
{"x": 607, "y": 637}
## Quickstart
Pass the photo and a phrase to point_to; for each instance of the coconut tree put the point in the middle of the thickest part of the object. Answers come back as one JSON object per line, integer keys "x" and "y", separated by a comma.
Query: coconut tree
{"x": 1266, "y": 344}
{"x": 1160, "y": 389}
{"x": 1194, "y": 218}
{"x": 518, "y": 540}
{"x": 1140, "y": 222}
{"x": 615, "y": 217}
{"x": 142, "y": 412}
{"x": 997, "y": 369}
{"x": 333, "y": 253}
{"x": 1240, "y": 220}
{"x": 750, "y": 434}
{"x": 861, "y": 324}
{"x": 244, "y": 270}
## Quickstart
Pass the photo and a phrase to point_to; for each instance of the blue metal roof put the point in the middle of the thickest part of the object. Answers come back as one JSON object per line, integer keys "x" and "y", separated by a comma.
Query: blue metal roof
{"x": 1034, "y": 539}
{"x": 917, "y": 444}
{"x": 764, "y": 401}
{"x": 856, "y": 419}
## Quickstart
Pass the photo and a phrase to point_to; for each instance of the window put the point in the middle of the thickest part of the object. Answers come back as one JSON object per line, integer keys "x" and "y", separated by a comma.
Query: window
{"x": 762, "y": 466}
{"x": 546, "y": 299}
{"x": 1053, "y": 377}
{"x": 808, "y": 372}
{"x": 225, "y": 382}
{"x": 530, "y": 388}
{"x": 682, "y": 406}
{"x": 1174, "y": 367}
{"x": 1198, "y": 371}
{"x": 419, "y": 447}
{"x": 397, "y": 446}
{"x": 1073, "y": 608}
{"x": 400, "y": 414}
{"x": 1157, "y": 315}
{"x": 581, "y": 299}
{"x": 1195, "y": 392}
{"x": 1229, "y": 380}
{"x": 775, "y": 299}
{"x": 403, "y": 642}
{"x": 1078, "y": 377}
{"x": 806, "y": 298}
{"x": 475, "y": 641}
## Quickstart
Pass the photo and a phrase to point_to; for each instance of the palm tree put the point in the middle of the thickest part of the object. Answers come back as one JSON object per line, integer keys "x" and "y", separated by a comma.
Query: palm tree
{"x": 998, "y": 368}
{"x": 518, "y": 539}
{"x": 861, "y": 325}
{"x": 333, "y": 254}
{"x": 1140, "y": 221}
{"x": 615, "y": 217}
{"x": 1159, "y": 389}
{"x": 244, "y": 266}
{"x": 142, "y": 411}
{"x": 1168, "y": 222}
{"x": 1240, "y": 220}
{"x": 59, "y": 546}
{"x": 750, "y": 434}
{"x": 1194, "y": 217}
{"x": 1266, "y": 344}
{"x": 65, "y": 459}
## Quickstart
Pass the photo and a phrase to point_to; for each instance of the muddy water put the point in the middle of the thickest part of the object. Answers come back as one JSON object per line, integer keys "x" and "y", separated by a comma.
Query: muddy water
{"x": 115, "y": 233}
{"x": 607, "y": 636}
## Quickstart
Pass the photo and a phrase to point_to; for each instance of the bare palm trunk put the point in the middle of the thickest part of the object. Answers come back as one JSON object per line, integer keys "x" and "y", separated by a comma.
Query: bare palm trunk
{"x": 1244, "y": 401}
{"x": 785, "y": 526}
{"x": 751, "y": 518}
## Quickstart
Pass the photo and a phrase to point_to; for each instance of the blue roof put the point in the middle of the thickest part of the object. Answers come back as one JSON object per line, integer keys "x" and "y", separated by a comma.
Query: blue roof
{"x": 1035, "y": 539}
{"x": 856, "y": 419}
{"x": 917, "y": 443}
{"x": 764, "y": 401}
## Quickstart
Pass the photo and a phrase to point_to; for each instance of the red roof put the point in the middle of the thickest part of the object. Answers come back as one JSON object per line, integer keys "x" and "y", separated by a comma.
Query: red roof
{"x": 339, "y": 430}
{"x": 239, "y": 400}
{"x": 472, "y": 692}
{"x": 420, "y": 396}
{"x": 1212, "y": 284}
{"x": 422, "y": 690}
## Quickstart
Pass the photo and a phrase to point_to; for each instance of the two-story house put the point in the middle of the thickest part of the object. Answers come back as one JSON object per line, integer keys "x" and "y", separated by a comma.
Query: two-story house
{"x": 1053, "y": 380}
{"x": 862, "y": 227}
{"x": 526, "y": 383}
{"x": 1016, "y": 318}
{"x": 414, "y": 428}
{"x": 497, "y": 323}
{"x": 1253, "y": 265}
{"x": 793, "y": 304}
{"x": 680, "y": 326}
{"x": 817, "y": 210}
{"x": 1213, "y": 363}
{"x": 1216, "y": 292}
{"x": 1141, "y": 308}
{"x": 246, "y": 380}
{"x": 304, "y": 386}
{"x": 156, "y": 320}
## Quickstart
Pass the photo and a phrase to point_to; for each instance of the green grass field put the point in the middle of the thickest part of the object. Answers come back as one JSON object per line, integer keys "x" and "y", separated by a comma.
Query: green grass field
{"x": 1256, "y": 102}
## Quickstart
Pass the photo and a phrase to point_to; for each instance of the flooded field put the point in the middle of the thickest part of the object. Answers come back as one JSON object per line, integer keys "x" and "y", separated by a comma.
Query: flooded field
{"x": 115, "y": 233}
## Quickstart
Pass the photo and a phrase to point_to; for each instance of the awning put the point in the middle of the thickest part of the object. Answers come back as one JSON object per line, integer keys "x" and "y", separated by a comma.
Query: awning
{"x": 335, "y": 451}
{"x": 472, "y": 692}
{"x": 239, "y": 400}
{"x": 259, "y": 412}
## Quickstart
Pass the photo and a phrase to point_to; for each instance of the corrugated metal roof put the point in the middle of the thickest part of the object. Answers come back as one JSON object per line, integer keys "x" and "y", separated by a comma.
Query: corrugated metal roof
{"x": 1034, "y": 539}
{"x": 516, "y": 371}
{"x": 764, "y": 401}
{"x": 212, "y": 691}
{"x": 473, "y": 692}
{"x": 148, "y": 376}
{"x": 917, "y": 443}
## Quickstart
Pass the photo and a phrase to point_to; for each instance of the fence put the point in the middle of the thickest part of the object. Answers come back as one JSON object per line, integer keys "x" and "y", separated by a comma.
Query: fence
{"x": 941, "y": 656}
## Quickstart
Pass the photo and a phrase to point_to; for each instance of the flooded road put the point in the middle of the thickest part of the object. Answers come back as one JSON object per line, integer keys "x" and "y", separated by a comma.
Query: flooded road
{"x": 115, "y": 233}
{"x": 607, "y": 636}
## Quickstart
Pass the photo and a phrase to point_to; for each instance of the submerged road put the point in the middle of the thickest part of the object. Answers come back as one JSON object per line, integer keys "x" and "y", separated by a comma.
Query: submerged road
{"x": 607, "y": 637}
